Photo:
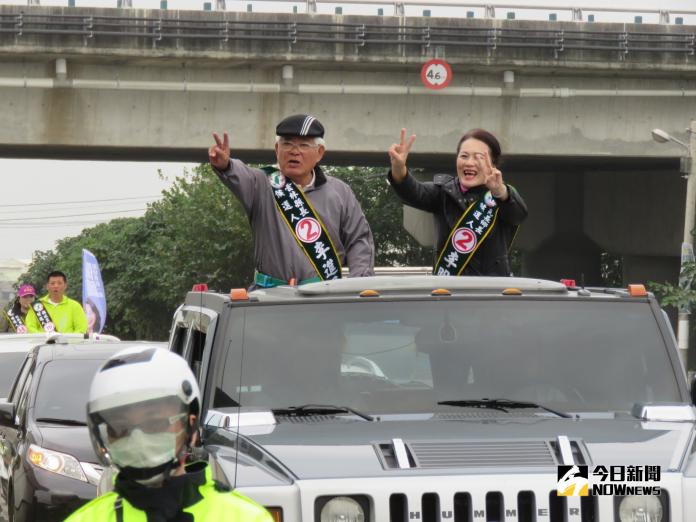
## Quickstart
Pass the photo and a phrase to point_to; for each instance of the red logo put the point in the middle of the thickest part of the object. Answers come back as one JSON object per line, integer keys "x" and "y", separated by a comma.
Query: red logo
{"x": 308, "y": 230}
{"x": 464, "y": 240}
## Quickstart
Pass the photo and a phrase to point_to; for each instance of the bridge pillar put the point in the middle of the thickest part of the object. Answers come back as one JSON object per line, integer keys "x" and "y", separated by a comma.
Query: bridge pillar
{"x": 568, "y": 253}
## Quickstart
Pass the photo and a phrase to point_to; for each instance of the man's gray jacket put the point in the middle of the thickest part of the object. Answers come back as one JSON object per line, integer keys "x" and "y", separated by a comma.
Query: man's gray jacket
{"x": 276, "y": 251}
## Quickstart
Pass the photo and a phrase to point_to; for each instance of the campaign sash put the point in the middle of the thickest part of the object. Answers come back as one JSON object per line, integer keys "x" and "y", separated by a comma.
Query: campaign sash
{"x": 16, "y": 322}
{"x": 305, "y": 225}
{"x": 42, "y": 315}
{"x": 467, "y": 236}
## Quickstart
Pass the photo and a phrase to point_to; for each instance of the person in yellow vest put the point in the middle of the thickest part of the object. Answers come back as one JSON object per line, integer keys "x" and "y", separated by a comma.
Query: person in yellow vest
{"x": 56, "y": 312}
{"x": 142, "y": 414}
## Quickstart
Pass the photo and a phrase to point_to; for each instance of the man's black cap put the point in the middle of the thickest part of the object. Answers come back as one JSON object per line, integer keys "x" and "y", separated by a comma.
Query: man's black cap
{"x": 300, "y": 125}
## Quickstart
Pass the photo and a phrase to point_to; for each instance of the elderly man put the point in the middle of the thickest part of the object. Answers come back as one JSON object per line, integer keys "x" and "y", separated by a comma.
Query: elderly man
{"x": 306, "y": 225}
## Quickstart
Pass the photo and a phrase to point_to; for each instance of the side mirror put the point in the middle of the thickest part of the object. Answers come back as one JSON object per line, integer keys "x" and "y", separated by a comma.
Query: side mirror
{"x": 7, "y": 414}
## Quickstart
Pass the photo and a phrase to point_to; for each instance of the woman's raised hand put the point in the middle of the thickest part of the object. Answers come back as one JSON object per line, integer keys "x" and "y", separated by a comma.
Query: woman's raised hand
{"x": 494, "y": 179}
{"x": 398, "y": 153}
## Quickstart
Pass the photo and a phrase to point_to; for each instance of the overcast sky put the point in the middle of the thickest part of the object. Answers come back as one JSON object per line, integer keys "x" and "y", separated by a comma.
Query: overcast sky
{"x": 43, "y": 200}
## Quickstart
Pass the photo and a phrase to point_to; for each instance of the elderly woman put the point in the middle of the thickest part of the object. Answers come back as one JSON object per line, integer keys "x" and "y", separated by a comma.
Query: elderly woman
{"x": 477, "y": 213}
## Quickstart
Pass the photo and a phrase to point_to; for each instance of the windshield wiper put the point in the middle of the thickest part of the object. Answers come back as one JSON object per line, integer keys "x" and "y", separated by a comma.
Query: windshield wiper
{"x": 501, "y": 404}
{"x": 320, "y": 409}
{"x": 66, "y": 422}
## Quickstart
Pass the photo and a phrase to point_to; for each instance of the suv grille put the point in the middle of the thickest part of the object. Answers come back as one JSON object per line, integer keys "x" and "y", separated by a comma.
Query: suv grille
{"x": 523, "y": 508}
{"x": 478, "y": 454}
{"x": 482, "y": 454}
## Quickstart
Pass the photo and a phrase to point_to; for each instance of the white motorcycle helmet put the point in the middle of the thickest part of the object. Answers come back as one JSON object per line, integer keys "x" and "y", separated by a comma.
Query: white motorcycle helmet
{"x": 138, "y": 399}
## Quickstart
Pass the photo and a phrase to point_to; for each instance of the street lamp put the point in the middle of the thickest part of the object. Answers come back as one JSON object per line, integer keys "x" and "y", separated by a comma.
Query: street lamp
{"x": 688, "y": 170}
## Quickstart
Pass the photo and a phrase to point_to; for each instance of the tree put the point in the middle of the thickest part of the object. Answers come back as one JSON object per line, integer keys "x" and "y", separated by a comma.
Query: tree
{"x": 383, "y": 210}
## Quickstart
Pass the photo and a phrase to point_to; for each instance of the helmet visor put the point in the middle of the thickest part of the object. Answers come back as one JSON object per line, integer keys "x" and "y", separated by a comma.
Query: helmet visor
{"x": 151, "y": 417}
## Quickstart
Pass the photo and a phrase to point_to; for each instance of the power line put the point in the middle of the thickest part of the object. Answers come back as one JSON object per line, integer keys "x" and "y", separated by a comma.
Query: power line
{"x": 81, "y": 201}
{"x": 64, "y": 224}
{"x": 22, "y": 220}
{"x": 89, "y": 207}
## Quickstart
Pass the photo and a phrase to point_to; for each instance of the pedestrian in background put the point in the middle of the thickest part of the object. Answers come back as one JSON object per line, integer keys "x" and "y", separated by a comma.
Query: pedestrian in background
{"x": 14, "y": 318}
{"x": 56, "y": 312}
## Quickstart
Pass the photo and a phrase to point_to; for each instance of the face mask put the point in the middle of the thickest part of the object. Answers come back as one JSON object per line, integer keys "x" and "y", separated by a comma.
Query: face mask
{"x": 144, "y": 450}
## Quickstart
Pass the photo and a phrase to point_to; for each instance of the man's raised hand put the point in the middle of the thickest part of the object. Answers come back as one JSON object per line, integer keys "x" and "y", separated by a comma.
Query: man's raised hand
{"x": 219, "y": 154}
{"x": 398, "y": 153}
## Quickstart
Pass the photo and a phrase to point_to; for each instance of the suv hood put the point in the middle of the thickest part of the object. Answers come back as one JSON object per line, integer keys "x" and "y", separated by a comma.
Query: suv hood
{"x": 343, "y": 447}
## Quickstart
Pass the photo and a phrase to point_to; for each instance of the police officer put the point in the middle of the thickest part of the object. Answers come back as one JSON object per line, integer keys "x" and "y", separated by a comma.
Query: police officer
{"x": 307, "y": 225}
{"x": 142, "y": 415}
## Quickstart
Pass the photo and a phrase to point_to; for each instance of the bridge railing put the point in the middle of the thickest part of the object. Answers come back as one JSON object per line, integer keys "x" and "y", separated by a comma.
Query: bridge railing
{"x": 453, "y": 8}
{"x": 416, "y": 32}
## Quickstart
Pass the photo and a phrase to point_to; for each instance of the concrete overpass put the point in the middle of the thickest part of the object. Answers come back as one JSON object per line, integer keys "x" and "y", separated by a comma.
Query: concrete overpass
{"x": 574, "y": 115}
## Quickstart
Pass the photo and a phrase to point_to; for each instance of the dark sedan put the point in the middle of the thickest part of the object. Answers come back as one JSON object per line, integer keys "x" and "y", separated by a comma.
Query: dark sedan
{"x": 50, "y": 466}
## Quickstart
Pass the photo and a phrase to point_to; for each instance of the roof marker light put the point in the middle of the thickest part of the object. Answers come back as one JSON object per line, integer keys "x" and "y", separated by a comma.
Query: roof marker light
{"x": 239, "y": 294}
{"x": 200, "y": 287}
{"x": 637, "y": 291}
{"x": 512, "y": 291}
{"x": 369, "y": 293}
{"x": 440, "y": 291}
{"x": 570, "y": 283}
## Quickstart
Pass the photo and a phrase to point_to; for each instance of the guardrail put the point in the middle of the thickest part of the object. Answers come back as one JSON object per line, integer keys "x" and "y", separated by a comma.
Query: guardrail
{"x": 455, "y": 8}
{"x": 160, "y": 30}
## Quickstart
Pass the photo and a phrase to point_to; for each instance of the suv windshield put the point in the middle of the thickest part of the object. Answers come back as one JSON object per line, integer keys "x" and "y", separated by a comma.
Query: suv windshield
{"x": 389, "y": 356}
{"x": 64, "y": 388}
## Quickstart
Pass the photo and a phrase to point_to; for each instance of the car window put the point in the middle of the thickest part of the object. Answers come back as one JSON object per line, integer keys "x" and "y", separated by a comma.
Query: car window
{"x": 584, "y": 355}
{"x": 23, "y": 396}
{"x": 10, "y": 363}
{"x": 178, "y": 341}
{"x": 63, "y": 389}
{"x": 19, "y": 381}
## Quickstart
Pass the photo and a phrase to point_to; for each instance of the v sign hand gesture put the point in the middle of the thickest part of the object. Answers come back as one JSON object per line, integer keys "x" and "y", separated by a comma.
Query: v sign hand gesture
{"x": 219, "y": 154}
{"x": 494, "y": 179}
{"x": 398, "y": 153}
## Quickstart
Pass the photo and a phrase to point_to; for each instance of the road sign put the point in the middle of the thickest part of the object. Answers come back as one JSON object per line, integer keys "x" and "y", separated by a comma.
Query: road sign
{"x": 436, "y": 74}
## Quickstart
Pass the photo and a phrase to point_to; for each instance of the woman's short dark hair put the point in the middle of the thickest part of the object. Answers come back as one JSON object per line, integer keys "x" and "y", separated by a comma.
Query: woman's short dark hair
{"x": 487, "y": 138}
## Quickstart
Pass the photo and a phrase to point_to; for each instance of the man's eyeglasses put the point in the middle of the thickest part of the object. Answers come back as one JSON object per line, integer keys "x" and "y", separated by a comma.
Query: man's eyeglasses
{"x": 303, "y": 146}
{"x": 116, "y": 430}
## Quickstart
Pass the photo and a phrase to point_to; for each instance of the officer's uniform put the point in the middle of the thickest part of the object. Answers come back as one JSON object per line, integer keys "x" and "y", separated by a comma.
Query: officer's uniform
{"x": 276, "y": 251}
{"x": 194, "y": 496}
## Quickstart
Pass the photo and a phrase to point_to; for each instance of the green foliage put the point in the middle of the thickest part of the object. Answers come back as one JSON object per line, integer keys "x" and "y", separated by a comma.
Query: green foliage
{"x": 680, "y": 296}
{"x": 394, "y": 246}
{"x": 197, "y": 233}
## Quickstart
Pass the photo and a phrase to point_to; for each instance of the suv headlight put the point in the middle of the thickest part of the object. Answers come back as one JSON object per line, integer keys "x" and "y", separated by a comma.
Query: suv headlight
{"x": 342, "y": 509}
{"x": 56, "y": 462}
{"x": 640, "y": 509}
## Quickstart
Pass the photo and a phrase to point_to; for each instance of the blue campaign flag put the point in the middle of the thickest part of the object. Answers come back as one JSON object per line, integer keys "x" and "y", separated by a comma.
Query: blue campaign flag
{"x": 93, "y": 294}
